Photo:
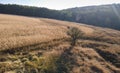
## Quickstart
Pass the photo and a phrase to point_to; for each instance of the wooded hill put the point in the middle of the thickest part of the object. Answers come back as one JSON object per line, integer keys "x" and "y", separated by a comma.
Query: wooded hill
{"x": 103, "y": 15}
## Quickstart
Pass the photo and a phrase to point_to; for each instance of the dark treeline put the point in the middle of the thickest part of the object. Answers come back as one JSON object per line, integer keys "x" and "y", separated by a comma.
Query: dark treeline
{"x": 103, "y": 16}
{"x": 31, "y": 11}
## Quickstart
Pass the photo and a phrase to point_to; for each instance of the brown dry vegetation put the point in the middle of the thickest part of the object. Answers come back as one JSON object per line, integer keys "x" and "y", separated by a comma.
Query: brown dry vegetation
{"x": 39, "y": 45}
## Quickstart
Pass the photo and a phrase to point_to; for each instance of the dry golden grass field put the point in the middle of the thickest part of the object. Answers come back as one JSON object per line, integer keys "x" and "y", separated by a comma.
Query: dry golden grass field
{"x": 41, "y": 45}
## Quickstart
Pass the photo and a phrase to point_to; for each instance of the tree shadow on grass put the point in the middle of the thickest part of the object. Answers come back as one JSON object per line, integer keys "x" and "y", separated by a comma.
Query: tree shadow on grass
{"x": 66, "y": 61}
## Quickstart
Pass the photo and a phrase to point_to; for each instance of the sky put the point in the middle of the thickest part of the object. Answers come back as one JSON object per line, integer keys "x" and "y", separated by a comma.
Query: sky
{"x": 59, "y": 4}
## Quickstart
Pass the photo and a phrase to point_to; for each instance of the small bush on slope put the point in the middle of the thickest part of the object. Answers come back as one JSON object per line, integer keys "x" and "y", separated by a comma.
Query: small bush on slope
{"x": 75, "y": 34}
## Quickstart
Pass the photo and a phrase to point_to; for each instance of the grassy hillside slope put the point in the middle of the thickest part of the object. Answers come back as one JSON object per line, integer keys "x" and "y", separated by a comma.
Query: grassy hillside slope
{"x": 107, "y": 16}
{"x": 39, "y": 45}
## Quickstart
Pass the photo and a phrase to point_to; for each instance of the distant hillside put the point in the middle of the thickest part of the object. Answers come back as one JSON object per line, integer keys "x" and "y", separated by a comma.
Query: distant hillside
{"x": 103, "y": 16}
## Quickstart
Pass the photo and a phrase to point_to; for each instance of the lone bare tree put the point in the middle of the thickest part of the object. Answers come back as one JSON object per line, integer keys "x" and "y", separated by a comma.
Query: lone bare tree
{"x": 75, "y": 34}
